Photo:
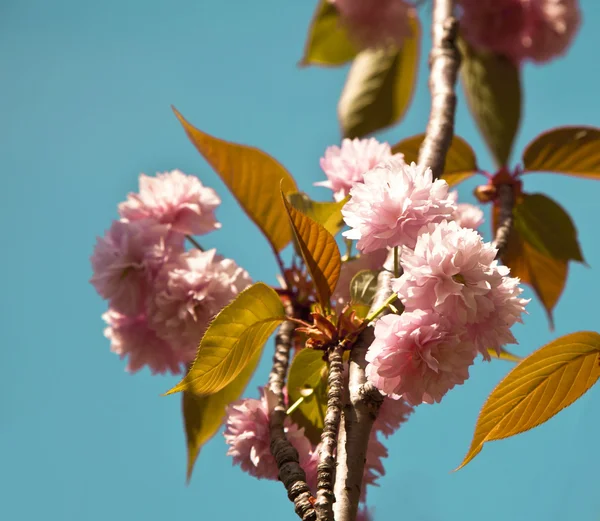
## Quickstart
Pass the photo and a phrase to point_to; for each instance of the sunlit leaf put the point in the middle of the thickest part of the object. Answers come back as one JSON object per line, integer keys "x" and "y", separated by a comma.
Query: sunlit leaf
{"x": 547, "y": 276}
{"x": 254, "y": 178}
{"x": 461, "y": 162}
{"x": 546, "y": 226}
{"x": 328, "y": 41}
{"x": 309, "y": 371}
{"x": 203, "y": 415}
{"x": 492, "y": 87}
{"x": 327, "y": 214}
{"x": 380, "y": 86}
{"x": 319, "y": 251}
{"x": 539, "y": 387}
{"x": 504, "y": 355}
{"x": 363, "y": 287}
{"x": 566, "y": 150}
{"x": 232, "y": 340}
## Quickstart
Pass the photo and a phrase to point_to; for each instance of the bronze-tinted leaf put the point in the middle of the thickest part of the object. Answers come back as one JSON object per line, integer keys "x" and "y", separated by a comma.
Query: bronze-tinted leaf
{"x": 461, "y": 162}
{"x": 254, "y": 178}
{"x": 566, "y": 150}
{"x": 327, "y": 214}
{"x": 328, "y": 42}
{"x": 538, "y": 388}
{"x": 492, "y": 86}
{"x": 380, "y": 86}
{"x": 319, "y": 251}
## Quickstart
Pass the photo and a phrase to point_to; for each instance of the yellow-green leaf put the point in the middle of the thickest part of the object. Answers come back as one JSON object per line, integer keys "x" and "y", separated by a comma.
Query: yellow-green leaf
{"x": 253, "y": 177}
{"x": 232, "y": 340}
{"x": 328, "y": 40}
{"x": 319, "y": 251}
{"x": 492, "y": 87}
{"x": 363, "y": 287}
{"x": 203, "y": 415}
{"x": 327, "y": 214}
{"x": 380, "y": 86}
{"x": 546, "y": 226}
{"x": 461, "y": 162}
{"x": 308, "y": 372}
{"x": 539, "y": 387}
{"x": 566, "y": 150}
{"x": 504, "y": 355}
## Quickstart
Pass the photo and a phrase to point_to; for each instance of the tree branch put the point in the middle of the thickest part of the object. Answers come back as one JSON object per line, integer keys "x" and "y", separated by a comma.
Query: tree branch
{"x": 290, "y": 472}
{"x": 444, "y": 61}
{"x": 505, "y": 202}
{"x": 326, "y": 467}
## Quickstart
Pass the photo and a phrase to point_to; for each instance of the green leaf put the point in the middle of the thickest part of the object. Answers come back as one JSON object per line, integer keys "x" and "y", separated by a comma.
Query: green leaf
{"x": 380, "y": 86}
{"x": 566, "y": 150}
{"x": 545, "y": 225}
{"x": 254, "y": 178}
{"x": 232, "y": 340}
{"x": 492, "y": 87}
{"x": 319, "y": 251}
{"x": 328, "y": 41}
{"x": 327, "y": 214}
{"x": 363, "y": 287}
{"x": 538, "y": 388}
{"x": 203, "y": 415}
{"x": 309, "y": 371}
{"x": 461, "y": 162}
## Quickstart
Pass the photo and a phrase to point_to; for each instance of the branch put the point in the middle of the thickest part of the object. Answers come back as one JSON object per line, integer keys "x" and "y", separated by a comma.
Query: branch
{"x": 326, "y": 467}
{"x": 290, "y": 472}
{"x": 505, "y": 202}
{"x": 444, "y": 61}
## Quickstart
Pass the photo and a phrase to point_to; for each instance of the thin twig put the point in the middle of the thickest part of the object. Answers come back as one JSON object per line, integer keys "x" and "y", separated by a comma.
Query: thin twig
{"x": 194, "y": 242}
{"x": 505, "y": 218}
{"x": 326, "y": 467}
{"x": 290, "y": 472}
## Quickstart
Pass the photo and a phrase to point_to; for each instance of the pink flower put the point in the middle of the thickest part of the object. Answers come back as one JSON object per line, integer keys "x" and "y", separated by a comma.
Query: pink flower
{"x": 364, "y": 514}
{"x": 368, "y": 261}
{"x": 392, "y": 414}
{"x": 346, "y": 165}
{"x": 133, "y": 337}
{"x": 127, "y": 258}
{"x": 376, "y": 23}
{"x": 454, "y": 273}
{"x": 393, "y": 203}
{"x": 418, "y": 356}
{"x": 374, "y": 469}
{"x": 176, "y": 199}
{"x": 466, "y": 215}
{"x": 248, "y": 437}
{"x": 536, "y": 30}
{"x": 189, "y": 291}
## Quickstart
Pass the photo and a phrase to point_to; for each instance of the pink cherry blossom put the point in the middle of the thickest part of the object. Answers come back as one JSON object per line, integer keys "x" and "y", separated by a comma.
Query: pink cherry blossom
{"x": 376, "y": 453}
{"x": 393, "y": 203}
{"x": 247, "y": 434}
{"x": 189, "y": 291}
{"x": 346, "y": 165}
{"x": 454, "y": 273}
{"x": 127, "y": 258}
{"x": 132, "y": 337}
{"x": 392, "y": 414}
{"x": 376, "y": 24}
{"x": 418, "y": 356}
{"x": 537, "y": 30}
{"x": 174, "y": 198}
{"x": 364, "y": 514}
{"x": 466, "y": 215}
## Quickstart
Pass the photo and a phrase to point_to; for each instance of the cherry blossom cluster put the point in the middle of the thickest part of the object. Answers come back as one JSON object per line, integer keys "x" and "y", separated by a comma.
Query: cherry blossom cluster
{"x": 162, "y": 297}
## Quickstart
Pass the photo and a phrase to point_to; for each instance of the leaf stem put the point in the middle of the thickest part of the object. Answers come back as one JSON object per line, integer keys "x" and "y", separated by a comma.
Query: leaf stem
{"x": 295, "y": 405}
{"x": 373, "y": 314}
{"x": 194, "y": 242}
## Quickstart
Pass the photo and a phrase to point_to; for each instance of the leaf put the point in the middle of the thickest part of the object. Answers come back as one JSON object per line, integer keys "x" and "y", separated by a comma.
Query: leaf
{"x": 380, "y": 86}
{"x": 547, "y": 276}
{"x": 254, "y": 178}
{"x": 566, "y": 150}
{"x": 504, "y": 355}
{"x": 232, "y": 340}
{"x": 327, "y": 214}
{"x": 542, "y": 385}
{"x": 319, "y": 251}
{"x": 461, "y": 162}
{"x": 492, "y": 87}
{"x": 328, "y": 40}
{"x": 363, "y": 287}
{"x": 309, "y": 371}
{"x": 203, "y": 415}
{"x": 546, "y": 226}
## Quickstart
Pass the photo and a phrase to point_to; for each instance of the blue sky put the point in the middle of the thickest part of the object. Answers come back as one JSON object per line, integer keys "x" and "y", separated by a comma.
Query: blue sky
{"x": 85, "y": 104}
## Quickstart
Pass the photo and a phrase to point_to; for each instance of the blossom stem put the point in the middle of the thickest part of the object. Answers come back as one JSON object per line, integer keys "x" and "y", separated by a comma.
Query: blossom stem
{"x": 374, "y": 314}
{"x": 396, "y": 263}
{"x": 331, "y": 425}
{"x": 286, "y": 456}
{"x": 505, "y": 203}
{"x": 194, "y": 242}
{"x": 295, "y": 405}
